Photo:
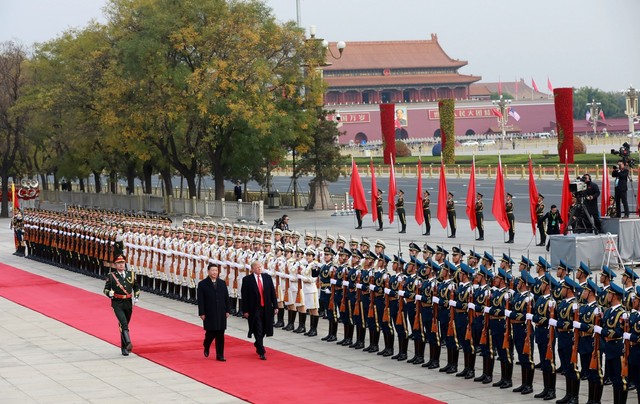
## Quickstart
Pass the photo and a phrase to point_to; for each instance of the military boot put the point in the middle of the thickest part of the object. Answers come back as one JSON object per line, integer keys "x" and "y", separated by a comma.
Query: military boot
{"x": 435, "y": 356}
{"x": 302, "y": 326}
{"x": 313, "y": 330}
{"x": 291, "y": 320}
{"x": 551, "y": 394}
{"x": 545, "y": 383}
{"x": 333, "y": 331}
{"x": 280, "y": 322}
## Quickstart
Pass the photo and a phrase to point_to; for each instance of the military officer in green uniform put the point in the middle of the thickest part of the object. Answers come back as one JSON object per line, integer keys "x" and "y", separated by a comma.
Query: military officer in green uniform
{"x": 511, "y": 218}
{"x": 123, "y": 290}
{"x": 426, "y": 211}
{"x": 479, "y": 216}
{"x": 401, "y": 212}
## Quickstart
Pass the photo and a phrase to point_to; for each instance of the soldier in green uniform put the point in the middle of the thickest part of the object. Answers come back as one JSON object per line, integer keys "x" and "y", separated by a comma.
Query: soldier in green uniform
{"x": 401, "y": 213}
{"x": 379, "y": 209}
{"x": 17, "y": 224}
{"x": 426, "y": 212}
{"x": 479, "y": 216}
{"x": 451, "y": 214}
{"x": 511, "y": 218}
{"x": 123, "y": 290}
{"x": 540, "y": 220}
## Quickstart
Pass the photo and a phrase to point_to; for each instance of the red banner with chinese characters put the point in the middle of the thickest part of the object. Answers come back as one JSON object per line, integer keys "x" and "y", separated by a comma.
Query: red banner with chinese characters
{"x": 464, "y": 113}
{"x": 387, "y": 123}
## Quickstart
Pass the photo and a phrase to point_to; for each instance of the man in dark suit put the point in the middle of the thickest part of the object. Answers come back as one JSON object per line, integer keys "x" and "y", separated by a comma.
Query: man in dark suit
{"x": 213, "y": 309}
{"x": 621, "y": 174}
{"x": 259, "y": 305}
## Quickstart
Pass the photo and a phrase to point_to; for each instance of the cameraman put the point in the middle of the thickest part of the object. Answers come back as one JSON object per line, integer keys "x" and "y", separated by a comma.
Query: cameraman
{"x": 621, "y": 174}
{"x": 591, "y": 200}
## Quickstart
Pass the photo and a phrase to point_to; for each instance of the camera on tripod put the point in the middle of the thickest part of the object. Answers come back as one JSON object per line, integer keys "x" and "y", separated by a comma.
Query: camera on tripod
{"x": 578, "y": 187}
{"x": 625, "y": 154}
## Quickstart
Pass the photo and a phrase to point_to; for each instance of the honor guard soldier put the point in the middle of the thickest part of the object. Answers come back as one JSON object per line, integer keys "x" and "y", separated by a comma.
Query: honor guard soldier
{"x": 327, "y": 292}
{"x": 414, "y": 250}
{"x": 355, "y": 293}
{"x": 568, "y": 308}
{"x": 464, "y": 296}
{"x": 588, "y": 319}
{"x": 540, "y": 220}
{"x": 499, "y": 300}
{"x": 123, "y": 290}
{"x": 426, "y": 212}
{"x": 379, "y": 209}
{"x": 611, "y": 332}
{"x": 510, "y": 217}
{"x": 366, "y": 277}
{"x": 488, "y": 261}
{"x": 606, "y": 278}
{"x": 629, "y": 279}
{"x": 542, "y": 267}
{"x": 17, "y": 224}
{"x": 633, "y": 336}
{"x": 401, "y": 212}
{"x": 427, "y": 252}
{"x": 396, "y": 313}
{"x": 506, "y": 263}
{"x": 474, "y": 259}
{"x": 309, "y": 274}
{"x": 342, "y": 280}
{"x": 482, "y": 299}
{"x": 543, "y": 311}
{"x": 411, "y": 287}
{"x": 290, "y": 278}
{"x": 522, "y": 330}
{"x": 479, "y": 207}
{"x": 429, "y": 289}
{"x": 446, "y": 288}
{"x": 374, "y": 282}
{"x": 451, "y": 214}
{"x": 381, "y": 281}
{"x": 562, "y": 271}
{"x": 583, "y": 273}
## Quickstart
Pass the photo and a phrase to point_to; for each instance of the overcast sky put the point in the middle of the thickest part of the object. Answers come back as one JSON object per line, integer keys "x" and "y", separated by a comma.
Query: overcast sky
{"x": 573, "y": 42}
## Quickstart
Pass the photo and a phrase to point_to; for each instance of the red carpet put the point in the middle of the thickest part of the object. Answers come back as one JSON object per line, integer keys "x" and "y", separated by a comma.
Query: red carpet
{"x": 177, "y": 345}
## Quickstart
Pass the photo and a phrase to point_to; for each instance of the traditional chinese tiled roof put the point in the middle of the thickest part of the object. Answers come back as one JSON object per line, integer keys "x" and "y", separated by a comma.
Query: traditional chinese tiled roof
{"x": 400, "y": 80}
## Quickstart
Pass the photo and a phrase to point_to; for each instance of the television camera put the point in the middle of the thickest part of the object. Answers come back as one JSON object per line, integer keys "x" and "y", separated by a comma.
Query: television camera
{"x": 580, "y": 220}
{"x": 625, "y": 154}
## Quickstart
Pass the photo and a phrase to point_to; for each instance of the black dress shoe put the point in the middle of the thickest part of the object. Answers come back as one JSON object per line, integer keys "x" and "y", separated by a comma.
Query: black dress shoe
{"x": 480, "y": 239}
{"x": 359, "y": 227}
{"x": 206, "y": 352}
{"x": 380, "y": 229}
{"x": 452, "y": 236}
{"x": 263, "y": 358}
{"x": 124, "y": 352}
{"x": 527, "y": 390}
{"x": 221, "y": 359}
{"x": 332, "y": 338}
{"x": 506, "y": 384}
{"x": 434, "y": 365}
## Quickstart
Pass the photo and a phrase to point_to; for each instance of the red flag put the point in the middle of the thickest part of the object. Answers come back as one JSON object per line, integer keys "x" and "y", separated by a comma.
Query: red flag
{"x": 442, "y": 197}
{"x": 471, "y": 196}
{"x": 392, "y": 191}
{"x": 388, "y": 126}
{"x": 533, "y": 198}
{"x": 549, "y": 86}
{"x": 419, "y": 213}
{"x": 374, "y": 193}
{"x": 602, "y": 115}
{"x": 533, "y": 84}
{"x": 606, "y": 190}
{"x": 356, "y": 190}
{"x": 498, "y": 208}
{"x": 496, "y": 112}
{"x": 566, "y": 199}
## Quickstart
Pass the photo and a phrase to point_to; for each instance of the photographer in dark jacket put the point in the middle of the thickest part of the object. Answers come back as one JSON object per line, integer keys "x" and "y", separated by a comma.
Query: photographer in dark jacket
{"x": 621, "y": 174}
{"x": 591, "y": 200}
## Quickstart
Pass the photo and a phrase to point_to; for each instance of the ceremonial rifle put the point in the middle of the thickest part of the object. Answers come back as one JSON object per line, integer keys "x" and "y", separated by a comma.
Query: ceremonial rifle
{"x": 627, "y": 347}
{"x": 356, "y": 310}
{"x": 371, "y": 313}
{"x": 385, "y": 315}
{"x": 299, "y": 295}
{"x": 485, "y": 327}
{"x": 552, "y": 334}
{"x": 452, "y": 312}
{"x": 418, "y": 315}
{"x": 436, "y": 307}
{"x": 471, "y": 314}
{"x": 345, "y": 290}
{"x": 594, "y": 364}
{"x": 507, "y": 328}
{"x": 527, "y": 339}
{"x": 400, "y": 314}
{"x": 332, "y": 304}
{"x": 576, "y": 337}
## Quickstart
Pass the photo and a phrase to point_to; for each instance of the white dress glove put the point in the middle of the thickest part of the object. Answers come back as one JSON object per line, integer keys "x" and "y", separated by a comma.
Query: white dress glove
{"x": 626, "y": 336}
{"x": 577, "y": 325}
{"x": 529, "y": 317}
{"x": 418, "y": 298}
{"x": 553, "y": 322}
{"x": 372, "y": 287}
{"x": 333, "y": 281}
{"x": 435, "y": 300}
{"x": 358, "y": 286}
{"x": 597, "y": 329}
{"x": 471, "y": 306}
{"x": 452, "y": 303}
{"x": 387, "y": 291}
{"x": 111, "y": 293}
{"x": 507, "y": 313}
{"x": 401, "y": 293}
{"x": 487, "y": 309}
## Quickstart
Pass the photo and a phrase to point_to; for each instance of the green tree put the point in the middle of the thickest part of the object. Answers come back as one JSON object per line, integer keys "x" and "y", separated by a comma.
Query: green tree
{"x": 612, "y": 103}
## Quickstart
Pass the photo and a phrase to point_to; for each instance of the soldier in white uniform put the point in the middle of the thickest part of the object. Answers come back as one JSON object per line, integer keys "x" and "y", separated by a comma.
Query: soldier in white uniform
{"x": 309, "y": 275}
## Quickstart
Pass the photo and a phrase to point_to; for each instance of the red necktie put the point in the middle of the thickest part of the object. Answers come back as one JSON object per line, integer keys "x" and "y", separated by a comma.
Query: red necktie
{"x": 260, "y": 290}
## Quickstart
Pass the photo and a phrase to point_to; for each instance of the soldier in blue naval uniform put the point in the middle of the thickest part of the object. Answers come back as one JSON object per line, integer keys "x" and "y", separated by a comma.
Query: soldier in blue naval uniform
{"x": 482, "y": 299}
{"x": 325, "y": 276}
{"x": 497, "y": 326}
{"x": 589, "y": 315}
{"x": 522, "y": 303}
{"x": 123, "y": 290}
{"x": 396, "y": 284}
{"x": 562, "y": 270}
{"x": 411, "y": 288}
{"x": 606, "y": 277}
{"x": 342, "y": 282}
{"x": 381, "y": 279}
{"x": 445, "y": 287}
{"x": 567, "y": 308}
{"x": 633, "y": 336}
{"x": 464, "y": 296}
{"x": 428, "y": 273}
{"x": 540, "y": 317}
{"x": 612, "y": 332}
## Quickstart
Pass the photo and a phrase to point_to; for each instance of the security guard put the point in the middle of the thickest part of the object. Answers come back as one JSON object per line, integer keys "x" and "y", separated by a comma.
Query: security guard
{"x": 426, "y": 212}
{"x": 511, "y": 218}
{"x": 479, "y": 216}
{"x": 402, "y": 217}
{"x": 123, "y": 290}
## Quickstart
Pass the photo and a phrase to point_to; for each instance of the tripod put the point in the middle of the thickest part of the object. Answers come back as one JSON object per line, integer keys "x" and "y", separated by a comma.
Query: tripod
{"x": 581, "y": 221}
